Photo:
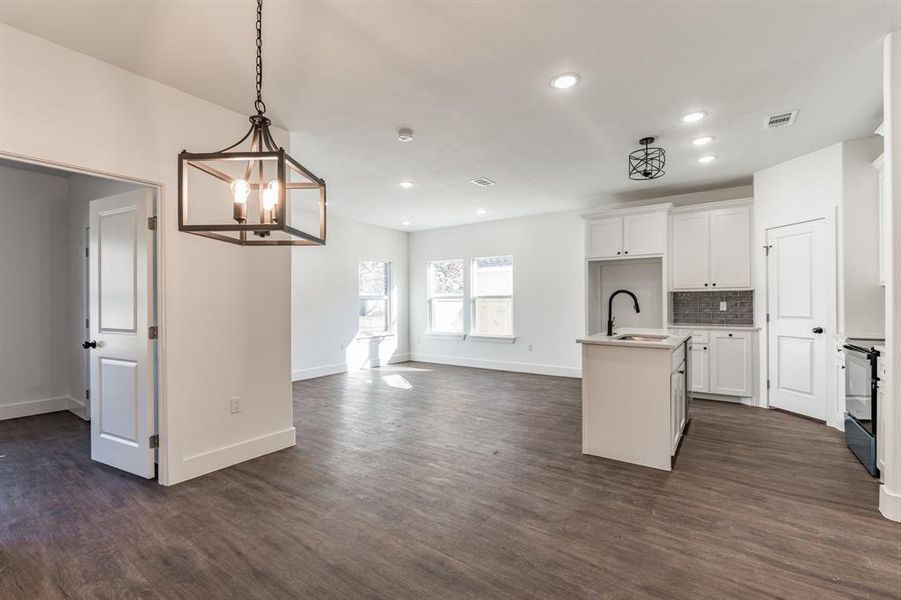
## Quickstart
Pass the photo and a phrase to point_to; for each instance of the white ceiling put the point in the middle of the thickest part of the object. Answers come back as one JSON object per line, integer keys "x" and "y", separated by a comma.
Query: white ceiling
{"x": 471, "y": 78}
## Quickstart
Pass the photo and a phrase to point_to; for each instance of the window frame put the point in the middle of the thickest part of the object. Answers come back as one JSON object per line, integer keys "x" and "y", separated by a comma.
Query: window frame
{"x": 389, "y": 323}
{"x": 474, "y": 296}
{"x": 432, "y": 297}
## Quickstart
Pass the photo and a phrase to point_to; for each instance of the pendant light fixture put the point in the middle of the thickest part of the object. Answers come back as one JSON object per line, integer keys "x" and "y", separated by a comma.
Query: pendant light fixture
{"x": 647, "y": 162}
{"x": 251, "y": 193}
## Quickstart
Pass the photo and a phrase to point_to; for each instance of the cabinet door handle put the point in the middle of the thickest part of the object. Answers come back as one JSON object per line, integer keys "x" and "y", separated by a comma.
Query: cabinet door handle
{"x": 618, "y": 252}
{"x": 625, "y": 251}
{"x": 705, "y": 285}
{"x": 817, "y": 330}
{"x": 730, "y": 335}
{"x": 713, "y": 284}
{"x": 705, "y": 347}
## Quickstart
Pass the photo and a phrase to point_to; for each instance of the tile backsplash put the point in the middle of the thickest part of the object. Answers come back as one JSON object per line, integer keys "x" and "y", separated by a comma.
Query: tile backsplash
{"x": 703, "y": 308}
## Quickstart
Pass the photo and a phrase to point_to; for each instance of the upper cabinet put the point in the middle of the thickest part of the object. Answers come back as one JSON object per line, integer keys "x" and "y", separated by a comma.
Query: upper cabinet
{"x": 628, "y": 235}
{"x": 712, "y": 249}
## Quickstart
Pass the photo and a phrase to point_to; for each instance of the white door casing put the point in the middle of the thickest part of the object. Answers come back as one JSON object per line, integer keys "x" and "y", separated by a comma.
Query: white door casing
{"x": 121, "y": 310}
{"x": 797, "y": 289}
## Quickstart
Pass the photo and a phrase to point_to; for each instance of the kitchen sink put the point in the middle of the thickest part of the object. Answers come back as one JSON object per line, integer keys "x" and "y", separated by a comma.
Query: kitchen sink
{"x": 641, "y": 337}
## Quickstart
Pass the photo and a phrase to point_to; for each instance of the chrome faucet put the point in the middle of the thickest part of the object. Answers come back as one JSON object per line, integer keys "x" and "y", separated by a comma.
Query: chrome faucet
{"x": 610, "y": 308}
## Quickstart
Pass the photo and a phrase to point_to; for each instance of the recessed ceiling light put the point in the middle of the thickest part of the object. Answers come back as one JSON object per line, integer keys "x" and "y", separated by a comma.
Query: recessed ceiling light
{"x": 405, "y": 223}
{"x": 564, "y": 81}
{"x": 693, "y": 117}
{"x": 405, "y": 134}
{"x": 707, "y": 159}
{"x": 481, "y": 211}
{"x": 703, "y": 140}
{"x": 406, "y": 184}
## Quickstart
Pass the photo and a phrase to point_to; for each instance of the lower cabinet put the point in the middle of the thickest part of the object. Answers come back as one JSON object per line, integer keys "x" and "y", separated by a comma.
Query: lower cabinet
{"x": 678, "y": 407}
{"x": 721, "y": 362}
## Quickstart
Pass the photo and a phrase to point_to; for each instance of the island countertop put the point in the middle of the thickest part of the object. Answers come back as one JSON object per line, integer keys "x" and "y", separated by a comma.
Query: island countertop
{"x": 673, "y": 338}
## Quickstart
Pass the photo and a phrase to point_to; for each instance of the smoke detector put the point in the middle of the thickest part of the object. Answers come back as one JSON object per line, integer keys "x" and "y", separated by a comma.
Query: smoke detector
{"x": 782, "y": 119}
{"x": 405, "y": 134}
{"x": 482, "y": 181}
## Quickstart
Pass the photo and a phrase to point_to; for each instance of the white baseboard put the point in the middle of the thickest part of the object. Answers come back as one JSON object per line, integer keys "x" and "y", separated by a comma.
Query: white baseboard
{"x": 889, "y": 503}
{"x": 78, "y": 408}
{"x": 33, "y": 407}
{"x": 226, "y": 456}
{"x": 498, "y": 365}
{"x": 322, "y": 371}
{"x": 313, "y": 372}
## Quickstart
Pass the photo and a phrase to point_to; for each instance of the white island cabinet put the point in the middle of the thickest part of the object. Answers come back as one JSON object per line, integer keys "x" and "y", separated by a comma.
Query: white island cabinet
{"x": 635, "y": 404}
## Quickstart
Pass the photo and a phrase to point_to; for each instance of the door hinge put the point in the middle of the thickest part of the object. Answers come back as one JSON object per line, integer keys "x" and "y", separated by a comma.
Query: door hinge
{"x": 767, "y": 249}
{"x": 155, "y": 440}
{"x": 153, "y": 332}
{"x": 767, "y": 384}
{"x": 768, "y": 317}
{"x": 87, "y": 323}
{"x": 86, "y": 251}
{"x": 151, "y": 223}
{"x": 87, "y": 394}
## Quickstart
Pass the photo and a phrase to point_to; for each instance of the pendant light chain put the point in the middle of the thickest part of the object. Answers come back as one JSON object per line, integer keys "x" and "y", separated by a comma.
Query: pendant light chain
{"x": 259, "y": 104}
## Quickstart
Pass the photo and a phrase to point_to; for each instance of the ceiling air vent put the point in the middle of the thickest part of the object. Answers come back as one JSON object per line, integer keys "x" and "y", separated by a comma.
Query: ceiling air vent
{"x": 482, "y": 181}
{"x": 783, "y": 119}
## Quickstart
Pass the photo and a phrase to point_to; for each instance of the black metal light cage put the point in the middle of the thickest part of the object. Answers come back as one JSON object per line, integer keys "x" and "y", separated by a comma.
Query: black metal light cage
{"x": 647, "y": 163}
{"x": 263, "y": 167}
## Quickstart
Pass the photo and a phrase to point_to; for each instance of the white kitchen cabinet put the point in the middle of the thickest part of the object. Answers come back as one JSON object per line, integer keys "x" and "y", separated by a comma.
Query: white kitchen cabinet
{"x": 677, "y": 405}
{"x": 730, "y": 362}
{"x": 884, "y": 219}
{"x": 605, "y": 237}
{"x": 699, "y": 376}
{"x": 691, "y": 250}
{"x": 711, "y": 249}
{"x": 644, "y": 234}
{"x": 640, "y": 234}
{"x": 730, "y": 248}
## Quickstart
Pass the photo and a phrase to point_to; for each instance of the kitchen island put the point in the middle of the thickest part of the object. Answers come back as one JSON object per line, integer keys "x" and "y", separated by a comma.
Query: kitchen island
{"x": 635, "y": 404}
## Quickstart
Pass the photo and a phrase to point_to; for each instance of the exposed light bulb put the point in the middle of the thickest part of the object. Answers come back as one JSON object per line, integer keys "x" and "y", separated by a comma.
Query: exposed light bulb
{"x": 240, "y": 190}
{"x": 270, "y": 195}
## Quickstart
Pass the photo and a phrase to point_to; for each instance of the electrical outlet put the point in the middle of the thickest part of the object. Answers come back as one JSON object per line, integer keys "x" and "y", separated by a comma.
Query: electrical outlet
{"x": 723, "y": 306}
{"x": 236, "y": 405}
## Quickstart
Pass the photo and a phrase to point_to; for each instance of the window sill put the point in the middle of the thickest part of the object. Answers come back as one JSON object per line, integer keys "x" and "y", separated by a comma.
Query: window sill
{"x": 497, "y": 339}
{"x": 373, "y": 336}
{"x": 445, "y": 336}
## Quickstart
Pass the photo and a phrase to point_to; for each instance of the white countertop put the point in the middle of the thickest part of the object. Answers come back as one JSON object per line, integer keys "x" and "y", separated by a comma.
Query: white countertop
{"x": 712, "y": 326}
{"x": 672, "y": 340}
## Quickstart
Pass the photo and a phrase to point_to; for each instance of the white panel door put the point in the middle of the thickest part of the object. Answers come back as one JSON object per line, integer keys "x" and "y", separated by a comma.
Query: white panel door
{"x": 797, "y": 288}
{"x": 730, "y": 248}
{"x": 644, "y": 234}
{"x": 730, "y": 363}
{"x": 698, "y": 378}
{"x": 121, "y": 309}
{"x": 605, "y": 237}
{"x": 691, "y": 251}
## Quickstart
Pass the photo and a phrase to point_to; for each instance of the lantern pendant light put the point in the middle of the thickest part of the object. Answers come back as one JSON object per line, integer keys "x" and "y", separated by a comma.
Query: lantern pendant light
{"x": 647, "y": 162}
{"x": 266, "y": 188}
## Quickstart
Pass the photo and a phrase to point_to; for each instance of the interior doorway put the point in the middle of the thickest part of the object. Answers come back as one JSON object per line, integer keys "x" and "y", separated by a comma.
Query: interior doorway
{"x": 79, "y": 253}
{"x": 798, "y": 323}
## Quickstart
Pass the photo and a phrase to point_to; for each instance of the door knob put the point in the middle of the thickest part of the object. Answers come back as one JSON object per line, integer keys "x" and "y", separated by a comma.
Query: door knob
{"x": 91, "y": 344}
{"x": 818, "y": 330}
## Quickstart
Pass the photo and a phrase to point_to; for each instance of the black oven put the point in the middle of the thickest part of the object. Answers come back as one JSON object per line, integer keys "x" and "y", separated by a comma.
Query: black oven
{"x": 861, "y": 388}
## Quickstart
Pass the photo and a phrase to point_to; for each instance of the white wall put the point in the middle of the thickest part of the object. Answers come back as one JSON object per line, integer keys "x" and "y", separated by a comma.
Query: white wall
{"x": 81, "y": 190}
{"x": 861, "y": 297}
{"x": 548, "y": 284}
{"x": 324, "y": 301}
{"x": 215, "y": 340}
{"x": 34, "y": 293}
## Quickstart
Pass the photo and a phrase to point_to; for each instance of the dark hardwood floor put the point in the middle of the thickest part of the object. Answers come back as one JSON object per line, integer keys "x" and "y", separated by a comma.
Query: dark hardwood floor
{"x": 427, "y": 481}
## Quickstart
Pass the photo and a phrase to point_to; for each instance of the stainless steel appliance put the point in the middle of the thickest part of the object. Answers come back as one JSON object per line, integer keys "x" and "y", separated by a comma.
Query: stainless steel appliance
{"x": 861, "y": 388}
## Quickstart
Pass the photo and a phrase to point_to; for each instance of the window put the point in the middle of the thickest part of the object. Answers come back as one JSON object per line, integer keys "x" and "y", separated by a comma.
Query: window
{"x": 446, "y": 296}
{"x": 492, "y": 296}
{"x": 373, "y": 298}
